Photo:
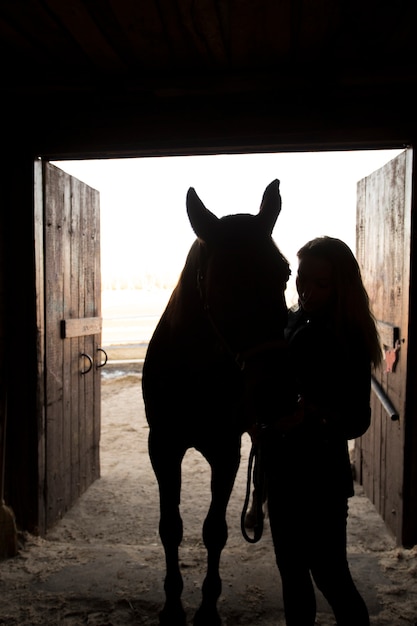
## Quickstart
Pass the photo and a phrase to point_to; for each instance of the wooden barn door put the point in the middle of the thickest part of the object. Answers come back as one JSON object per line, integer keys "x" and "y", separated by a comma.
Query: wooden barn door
{"x": 70, "y": 353}
{"x": 383, "y": 459}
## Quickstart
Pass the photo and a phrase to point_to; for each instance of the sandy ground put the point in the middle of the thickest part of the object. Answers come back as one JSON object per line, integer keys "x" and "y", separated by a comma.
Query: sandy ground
{"x": 103, "y": 563}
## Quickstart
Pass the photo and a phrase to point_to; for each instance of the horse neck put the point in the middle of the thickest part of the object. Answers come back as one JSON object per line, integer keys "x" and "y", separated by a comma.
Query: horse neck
{"x": 185, "y": 308}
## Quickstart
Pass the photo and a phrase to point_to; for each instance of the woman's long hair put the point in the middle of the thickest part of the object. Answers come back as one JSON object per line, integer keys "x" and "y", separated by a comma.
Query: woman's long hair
{"x": 352, "y": 306}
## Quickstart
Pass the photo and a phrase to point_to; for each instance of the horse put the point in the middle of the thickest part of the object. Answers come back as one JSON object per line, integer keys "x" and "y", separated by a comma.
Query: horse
{"x": 207, "y": 375}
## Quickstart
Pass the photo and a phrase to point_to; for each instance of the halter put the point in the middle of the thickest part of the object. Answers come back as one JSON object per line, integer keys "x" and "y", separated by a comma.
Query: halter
{"x": 237, "y": 357}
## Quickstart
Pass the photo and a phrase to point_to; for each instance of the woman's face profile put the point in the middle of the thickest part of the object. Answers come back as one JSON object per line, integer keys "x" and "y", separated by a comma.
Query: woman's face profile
{"x": 315, "y": 284}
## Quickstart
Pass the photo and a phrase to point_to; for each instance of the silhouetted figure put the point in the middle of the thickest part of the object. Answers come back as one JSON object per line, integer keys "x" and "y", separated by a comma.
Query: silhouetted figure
{"x": 212, "y": 345}
{"x": 333, "y": 344}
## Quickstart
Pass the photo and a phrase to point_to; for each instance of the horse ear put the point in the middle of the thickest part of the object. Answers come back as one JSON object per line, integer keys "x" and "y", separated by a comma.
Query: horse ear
{"x": 270, "y": 206}
{"x": 203, "y": 222}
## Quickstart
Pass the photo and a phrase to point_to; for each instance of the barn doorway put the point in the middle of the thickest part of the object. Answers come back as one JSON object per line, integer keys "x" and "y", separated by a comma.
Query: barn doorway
{"x": 145, "y": 234}
{"x": 83, "y": 554}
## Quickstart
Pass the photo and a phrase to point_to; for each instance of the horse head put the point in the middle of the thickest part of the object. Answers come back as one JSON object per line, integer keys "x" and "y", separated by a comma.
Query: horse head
{"x": 241, "y": 273}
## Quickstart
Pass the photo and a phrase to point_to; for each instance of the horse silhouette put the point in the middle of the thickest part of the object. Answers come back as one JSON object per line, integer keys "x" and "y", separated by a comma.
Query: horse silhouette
{"x": 210, "y": 371}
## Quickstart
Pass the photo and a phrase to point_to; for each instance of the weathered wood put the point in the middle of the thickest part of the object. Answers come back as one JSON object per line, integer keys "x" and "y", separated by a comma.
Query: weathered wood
{"x": 388, "y": 333}
{"x": 85, "y": 345}
{"x": 383, "y": 251}
{"x": 77, "y": 347}
{"x": 54, "y": 207}
{"x": 128, "y": 40}
{"x": 80, "y": 327}
{"x": 96, "y": 269}
{"x": 85, "y": 31}
{"x": 40, "y": 348}
{"x": 73, "y": 327}
{"x": 66, "y": 295}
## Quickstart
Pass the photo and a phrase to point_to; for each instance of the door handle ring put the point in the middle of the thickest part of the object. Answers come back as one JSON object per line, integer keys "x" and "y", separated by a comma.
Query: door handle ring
{"x": 83, "y": 355}
{"x": 105, "y": 358}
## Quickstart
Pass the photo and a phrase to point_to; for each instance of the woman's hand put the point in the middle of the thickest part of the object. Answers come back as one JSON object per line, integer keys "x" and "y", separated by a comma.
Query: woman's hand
{"x": 282, "y": 425}
{"x": 288, "y": 423}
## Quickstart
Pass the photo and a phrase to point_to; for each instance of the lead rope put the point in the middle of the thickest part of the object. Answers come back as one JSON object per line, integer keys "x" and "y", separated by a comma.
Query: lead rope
{"x": 255, "y": 468}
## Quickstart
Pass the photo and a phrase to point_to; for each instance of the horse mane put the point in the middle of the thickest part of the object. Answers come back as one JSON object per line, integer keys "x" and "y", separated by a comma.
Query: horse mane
{"x": 185, "y": 301}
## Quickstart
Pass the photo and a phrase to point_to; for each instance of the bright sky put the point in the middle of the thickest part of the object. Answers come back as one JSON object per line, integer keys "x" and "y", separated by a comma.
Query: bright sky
{"x": 145, "y": 232}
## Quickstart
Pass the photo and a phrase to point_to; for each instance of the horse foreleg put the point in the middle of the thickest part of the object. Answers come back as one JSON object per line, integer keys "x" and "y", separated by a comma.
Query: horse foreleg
{"x": 215, "y": 534}
{"x": 215, "y": 537}
{"x": 170, "y": 531}
{"x": 168, "y": 473}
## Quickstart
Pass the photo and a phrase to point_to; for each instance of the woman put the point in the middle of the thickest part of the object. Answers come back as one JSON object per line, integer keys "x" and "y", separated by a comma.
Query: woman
{"x": 333, "y": 344}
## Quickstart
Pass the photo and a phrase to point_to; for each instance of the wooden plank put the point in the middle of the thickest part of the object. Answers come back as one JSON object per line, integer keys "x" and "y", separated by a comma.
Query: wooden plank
{"x": 77, "y": 384}
{"x": 80, "y": 327}
{"x": 40, "y": 332}
{"x": 38, "y": 19}
{"x": 137, "y": 20}
{"x": 79, "y": 192}
{"x": 381, "y": 467}
{"x": 54, "y": 271}
{"x": 378, "y": 482}
{"x": 84, "y": 30}
{"x": 409, "y": 529}
{"x": 96, "y": 269}
{"x": 89, "y": 309}
{"x": 66, "y": 349}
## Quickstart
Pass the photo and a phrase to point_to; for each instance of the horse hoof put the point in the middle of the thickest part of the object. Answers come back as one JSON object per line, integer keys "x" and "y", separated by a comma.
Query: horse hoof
{"x": 172, "y": 615}
{"x": 203, "y": 617}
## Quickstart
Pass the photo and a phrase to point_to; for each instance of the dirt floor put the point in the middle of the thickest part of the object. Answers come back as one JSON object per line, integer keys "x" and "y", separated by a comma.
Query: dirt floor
{"x": 103, "y": 563}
